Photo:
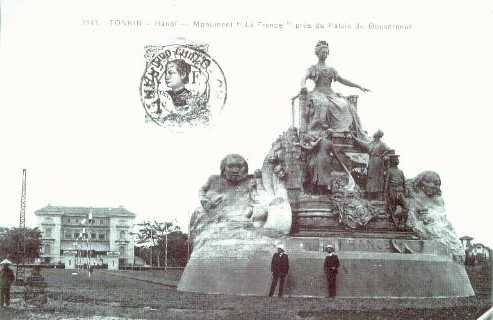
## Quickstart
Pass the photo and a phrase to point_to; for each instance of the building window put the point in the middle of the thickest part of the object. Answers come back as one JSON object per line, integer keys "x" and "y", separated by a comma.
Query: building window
{"x": 122, "y": 251}
{"x": 122, "y": 235}
{"x": 47, "y": 249}
{"x": 101, "y": 221}
{"x": 48, "y": 233}
{"x": 68, "y": 235}
{"x": 93, "y": 236}
{"x": 69, "y": 220}
{"x": 101, "y": 236}
{"x": 76, "y": 235}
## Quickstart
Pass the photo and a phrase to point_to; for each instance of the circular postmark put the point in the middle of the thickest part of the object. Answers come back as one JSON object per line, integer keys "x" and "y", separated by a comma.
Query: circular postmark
{"x": 182, "y": 86}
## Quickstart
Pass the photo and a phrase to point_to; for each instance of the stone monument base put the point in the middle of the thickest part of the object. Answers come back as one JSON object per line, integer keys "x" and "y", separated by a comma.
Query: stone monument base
{"x": 370, "y": 268}
{"x": 237, "y": 269}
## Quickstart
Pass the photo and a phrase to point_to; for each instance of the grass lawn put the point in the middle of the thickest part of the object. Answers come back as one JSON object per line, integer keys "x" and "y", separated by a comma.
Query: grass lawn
{"x": 106, "y": 295}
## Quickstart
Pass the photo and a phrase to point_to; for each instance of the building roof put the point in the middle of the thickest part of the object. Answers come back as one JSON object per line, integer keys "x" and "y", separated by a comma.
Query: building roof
{"x": 84, "y": 211}
{"x": 480, "y": 245}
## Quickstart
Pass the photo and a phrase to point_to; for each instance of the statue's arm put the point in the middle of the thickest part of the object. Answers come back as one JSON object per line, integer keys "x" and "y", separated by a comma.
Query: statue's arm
{"x": 204, "y": 201}
{"x": 303, "y": 81}
{"x": 406, "y": 190}
{"x": 362, "y": 144}
{"x": 350, "y": 84}
{"x": 386, "y": 183}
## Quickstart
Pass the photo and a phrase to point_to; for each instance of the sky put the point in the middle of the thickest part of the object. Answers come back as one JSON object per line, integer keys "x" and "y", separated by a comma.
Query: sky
{"x": 72, "y": 116}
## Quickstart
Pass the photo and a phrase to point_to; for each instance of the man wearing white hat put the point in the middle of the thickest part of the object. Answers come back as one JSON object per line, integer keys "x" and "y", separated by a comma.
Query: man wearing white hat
{"x": 6, "y": 279}
{"x": 279, "y": 268}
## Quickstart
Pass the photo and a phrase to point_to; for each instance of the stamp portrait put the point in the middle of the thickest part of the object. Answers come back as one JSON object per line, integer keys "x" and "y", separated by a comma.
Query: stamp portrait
{"x": 182, "y": 86}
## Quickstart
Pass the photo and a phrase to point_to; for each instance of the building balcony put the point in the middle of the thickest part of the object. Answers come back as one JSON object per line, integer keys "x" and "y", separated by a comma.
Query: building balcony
{"x": 84, "y": 240}
{"x": 80, "y": 225}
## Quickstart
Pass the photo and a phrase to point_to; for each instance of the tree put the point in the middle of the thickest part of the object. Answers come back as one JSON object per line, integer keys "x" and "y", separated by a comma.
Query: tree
{"x": 167, "y": 238}
{"x": 147, "y": 237}
{"x": 177, "y": 248}
{"x": 163, "y": 229}
{"x": 12, "y": 243}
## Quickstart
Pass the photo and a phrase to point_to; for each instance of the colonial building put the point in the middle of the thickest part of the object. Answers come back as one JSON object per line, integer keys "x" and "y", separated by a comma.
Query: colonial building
{"x": 476, "y": 253}
{"x": 81, "y": 236}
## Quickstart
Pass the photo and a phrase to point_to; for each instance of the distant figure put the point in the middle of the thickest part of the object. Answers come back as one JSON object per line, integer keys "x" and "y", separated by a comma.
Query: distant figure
{"x": 279, "y": 268}
{"x": 6, "y": 279}
{"x": 331, "y": 264}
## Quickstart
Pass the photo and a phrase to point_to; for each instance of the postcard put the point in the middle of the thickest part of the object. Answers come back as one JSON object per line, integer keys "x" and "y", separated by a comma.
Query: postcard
{"x": 242, "y": 130}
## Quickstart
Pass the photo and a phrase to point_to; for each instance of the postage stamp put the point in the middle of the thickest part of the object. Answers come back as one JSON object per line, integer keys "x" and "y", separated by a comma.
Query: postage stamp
{"x": 182, "y": 86}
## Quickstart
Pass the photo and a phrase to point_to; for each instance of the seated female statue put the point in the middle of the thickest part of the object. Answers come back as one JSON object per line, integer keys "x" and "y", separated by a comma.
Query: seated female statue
{"x": 323, "y": 104}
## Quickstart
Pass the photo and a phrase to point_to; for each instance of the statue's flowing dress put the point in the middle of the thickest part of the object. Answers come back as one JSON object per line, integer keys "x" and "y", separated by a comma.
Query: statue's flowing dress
{"x": 331, "y": 108}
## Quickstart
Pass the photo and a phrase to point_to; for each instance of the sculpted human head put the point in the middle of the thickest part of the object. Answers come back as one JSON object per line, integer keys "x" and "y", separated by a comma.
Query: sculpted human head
{"x": 429, "y": 182}
{"x": 234, "y": 168}
{"x": 394, "y": 160}
{"x": 322, "y": 49}
{"x": 378, "y": 135}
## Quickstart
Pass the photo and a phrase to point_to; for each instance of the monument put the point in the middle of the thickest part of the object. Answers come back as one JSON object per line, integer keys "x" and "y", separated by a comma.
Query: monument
{"x": 323, "y": 182}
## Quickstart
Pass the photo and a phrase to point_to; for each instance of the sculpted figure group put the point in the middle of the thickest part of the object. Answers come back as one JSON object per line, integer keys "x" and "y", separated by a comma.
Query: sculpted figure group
{"x": 335, "y": 182}
{"x": 427, "y": 214}
{"x": 329, "y": 116}
{"x": 321, "y": 163}
{"x": 236, "y": 204}
{"x": 329, "y": 156}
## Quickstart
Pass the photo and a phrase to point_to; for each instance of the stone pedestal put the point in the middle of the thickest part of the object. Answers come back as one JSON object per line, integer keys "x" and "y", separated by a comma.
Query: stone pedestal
{"x": 241, "y": 268}
{"x": 370, "y": 268}
{"x": 249, "y": 275}
{"x": 318, "y": 216}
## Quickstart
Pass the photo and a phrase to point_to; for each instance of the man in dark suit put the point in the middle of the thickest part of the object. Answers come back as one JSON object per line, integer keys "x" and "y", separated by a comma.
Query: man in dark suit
{"x": 279, "y": 268}
{"x": 331, "y": 264}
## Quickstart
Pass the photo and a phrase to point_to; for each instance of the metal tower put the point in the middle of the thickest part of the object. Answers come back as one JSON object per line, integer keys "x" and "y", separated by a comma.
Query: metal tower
{"x": 22, "y": 220}
{"x": 20, "y": 274}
